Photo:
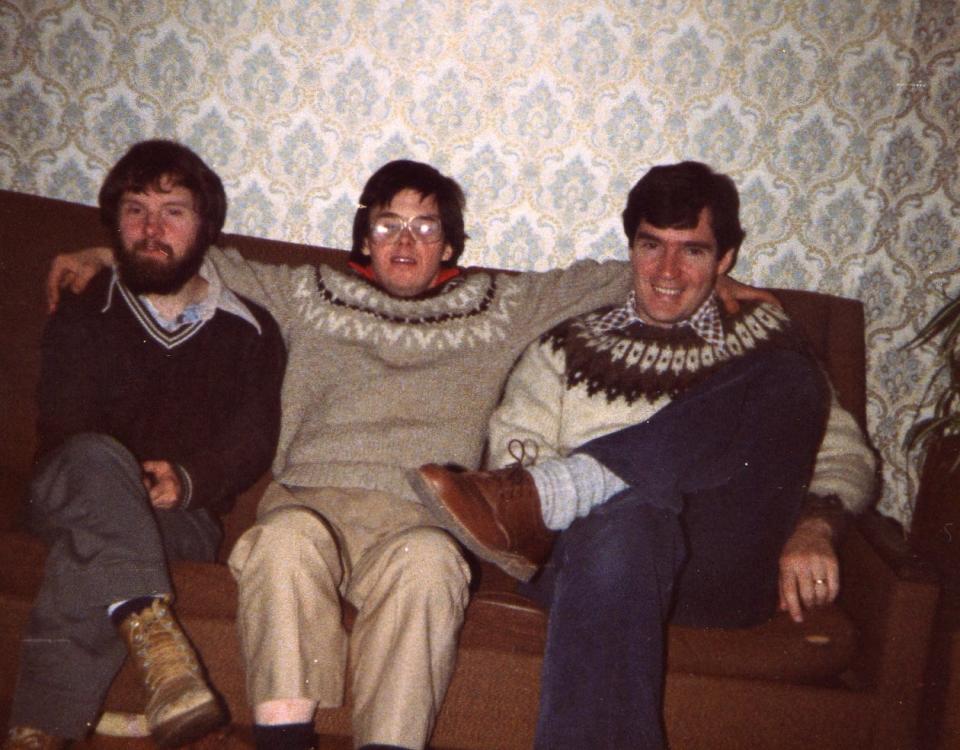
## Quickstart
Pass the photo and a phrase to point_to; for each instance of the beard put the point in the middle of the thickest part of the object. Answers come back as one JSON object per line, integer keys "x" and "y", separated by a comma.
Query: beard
{"x": 142, "y": 275}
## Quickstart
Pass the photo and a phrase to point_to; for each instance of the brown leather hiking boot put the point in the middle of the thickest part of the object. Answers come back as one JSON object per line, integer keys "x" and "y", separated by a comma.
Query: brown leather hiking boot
{"x": 28, "y": 738}
{"x": 181, "y": 707}
{"x": 495, "y": 514}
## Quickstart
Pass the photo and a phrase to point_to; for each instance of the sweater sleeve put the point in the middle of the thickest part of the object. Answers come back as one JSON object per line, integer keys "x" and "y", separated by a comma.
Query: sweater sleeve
{"x": 67, "y": 397}
{"x": 274, "y": 286}
{"x": 845, "y": 466}
{"x": 532, "y": 408}
{"x": 586, "y": 285}
{"x": 244, "y": 447}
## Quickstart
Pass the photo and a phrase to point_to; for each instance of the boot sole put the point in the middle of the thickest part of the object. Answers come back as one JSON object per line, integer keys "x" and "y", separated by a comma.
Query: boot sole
{"x": 512, "y": 564}
{"x": 190, "y": 725}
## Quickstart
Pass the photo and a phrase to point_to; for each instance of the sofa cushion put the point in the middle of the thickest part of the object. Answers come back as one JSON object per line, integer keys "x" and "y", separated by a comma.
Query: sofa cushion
{"x": 502, "y": 620}
{"x": 822, "y": 647}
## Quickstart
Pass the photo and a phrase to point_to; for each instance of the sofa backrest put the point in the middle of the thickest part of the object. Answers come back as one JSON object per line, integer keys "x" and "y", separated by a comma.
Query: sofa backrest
{"x": 34, "y": 229}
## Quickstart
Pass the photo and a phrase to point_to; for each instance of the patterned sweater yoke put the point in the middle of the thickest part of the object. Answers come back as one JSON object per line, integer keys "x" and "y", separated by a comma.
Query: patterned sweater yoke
{"x": 648, "y": 362}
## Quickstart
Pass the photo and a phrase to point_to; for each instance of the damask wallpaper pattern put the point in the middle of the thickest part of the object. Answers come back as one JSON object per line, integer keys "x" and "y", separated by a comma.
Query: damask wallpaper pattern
{"x": 839, "y": 119}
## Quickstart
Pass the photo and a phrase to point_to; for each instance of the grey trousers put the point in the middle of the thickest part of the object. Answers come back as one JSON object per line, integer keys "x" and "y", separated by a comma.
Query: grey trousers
{"x": 107, "y": 544}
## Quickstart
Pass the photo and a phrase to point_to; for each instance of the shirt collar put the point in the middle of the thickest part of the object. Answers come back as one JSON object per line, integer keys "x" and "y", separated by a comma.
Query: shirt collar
{"x": 705, "y": 322}
{"x": 219, "y": 297}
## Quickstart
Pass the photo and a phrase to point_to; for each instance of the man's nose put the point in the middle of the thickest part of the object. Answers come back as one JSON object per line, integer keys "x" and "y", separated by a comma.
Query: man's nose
{"x": 670, "y": 263}
{"x": 406, "y": 236}
{"x": 152, "y": 224}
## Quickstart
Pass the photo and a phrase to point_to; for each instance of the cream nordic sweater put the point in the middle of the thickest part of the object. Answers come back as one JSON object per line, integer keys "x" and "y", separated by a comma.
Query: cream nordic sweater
{"x": 545, "y": 404}
{"x": 376, "y": 385}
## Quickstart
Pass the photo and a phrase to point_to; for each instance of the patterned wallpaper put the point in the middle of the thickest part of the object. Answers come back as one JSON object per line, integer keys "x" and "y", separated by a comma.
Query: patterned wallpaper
{"x": 839, "y": 119}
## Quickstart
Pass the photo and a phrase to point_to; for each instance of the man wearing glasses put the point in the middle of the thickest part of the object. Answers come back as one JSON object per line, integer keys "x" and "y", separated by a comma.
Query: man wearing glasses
{"x": 400, "y": 362}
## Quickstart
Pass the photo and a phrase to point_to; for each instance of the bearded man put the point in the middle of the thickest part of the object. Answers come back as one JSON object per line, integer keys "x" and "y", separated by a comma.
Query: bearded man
{"x": 159, "y": 401}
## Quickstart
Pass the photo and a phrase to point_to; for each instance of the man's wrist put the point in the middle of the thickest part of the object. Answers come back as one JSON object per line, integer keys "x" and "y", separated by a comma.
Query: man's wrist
{"x": 825, "y": 513}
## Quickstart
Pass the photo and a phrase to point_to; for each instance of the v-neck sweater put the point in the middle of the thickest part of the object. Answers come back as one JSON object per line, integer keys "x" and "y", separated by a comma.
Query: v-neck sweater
{"x": 204, "y": 397}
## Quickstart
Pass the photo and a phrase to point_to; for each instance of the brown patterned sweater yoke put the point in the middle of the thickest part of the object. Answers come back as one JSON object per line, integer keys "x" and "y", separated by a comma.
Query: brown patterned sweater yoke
{"x": 648, "y": 362}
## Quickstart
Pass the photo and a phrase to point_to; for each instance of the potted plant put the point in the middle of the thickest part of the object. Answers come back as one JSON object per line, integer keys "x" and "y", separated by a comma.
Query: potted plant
{"x": 935, "y": 528}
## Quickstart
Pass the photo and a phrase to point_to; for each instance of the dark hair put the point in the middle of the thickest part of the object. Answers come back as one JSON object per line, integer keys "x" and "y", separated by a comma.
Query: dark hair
{"x": 145, "y": 166}
{"x": 672, "y": 196}
{"x": 403, "y": 174}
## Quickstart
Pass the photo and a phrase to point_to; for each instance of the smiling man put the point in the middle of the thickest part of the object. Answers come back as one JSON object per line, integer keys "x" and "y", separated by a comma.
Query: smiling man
{"x": 159, "y": 401}
{"x": 674, "y": 446}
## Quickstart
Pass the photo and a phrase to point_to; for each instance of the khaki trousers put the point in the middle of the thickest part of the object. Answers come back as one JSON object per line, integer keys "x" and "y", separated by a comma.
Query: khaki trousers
{"x": 407, "y": 579}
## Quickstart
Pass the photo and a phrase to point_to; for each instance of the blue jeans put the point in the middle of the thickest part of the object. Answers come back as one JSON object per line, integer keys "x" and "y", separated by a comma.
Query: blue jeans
{"x": 107, "y": 544}
{"x": 716, "y": 482}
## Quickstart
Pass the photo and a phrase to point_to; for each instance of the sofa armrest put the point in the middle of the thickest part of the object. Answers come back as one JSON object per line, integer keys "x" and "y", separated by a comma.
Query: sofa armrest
{"x": 888, "y": 540}
{"x": 892, "y": 598}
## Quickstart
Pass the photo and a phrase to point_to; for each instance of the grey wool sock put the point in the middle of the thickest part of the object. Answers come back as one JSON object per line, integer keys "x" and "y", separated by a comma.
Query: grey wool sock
{"x": 570, "y": 487}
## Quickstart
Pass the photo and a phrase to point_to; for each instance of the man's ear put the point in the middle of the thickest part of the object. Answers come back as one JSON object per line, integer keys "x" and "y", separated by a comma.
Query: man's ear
{"x": 726, "y": 261}
{"x": 365, "y": 248}
{"x": 447, "y": 253}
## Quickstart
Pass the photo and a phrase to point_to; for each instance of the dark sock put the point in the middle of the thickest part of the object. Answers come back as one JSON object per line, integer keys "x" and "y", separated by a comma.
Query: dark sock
{"x": 284, "y": 736}
{"x": 132, "y": 607}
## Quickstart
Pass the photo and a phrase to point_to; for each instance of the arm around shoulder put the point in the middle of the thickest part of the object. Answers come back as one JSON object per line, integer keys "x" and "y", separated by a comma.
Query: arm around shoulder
{"x": 585, "y": 285}
{"x": 73, "y": 271}
{"x": 277, "y": 287}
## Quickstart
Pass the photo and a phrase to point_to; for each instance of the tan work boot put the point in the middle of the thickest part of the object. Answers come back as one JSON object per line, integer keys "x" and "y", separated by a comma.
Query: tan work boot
{"x": 495, "y": 514}
{"x": 28, "y": 738}
{"x": 180, "y": 705}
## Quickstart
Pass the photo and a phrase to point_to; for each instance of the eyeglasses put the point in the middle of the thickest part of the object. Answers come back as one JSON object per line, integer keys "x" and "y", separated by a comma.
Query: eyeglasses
{"x": 387, "y": 228}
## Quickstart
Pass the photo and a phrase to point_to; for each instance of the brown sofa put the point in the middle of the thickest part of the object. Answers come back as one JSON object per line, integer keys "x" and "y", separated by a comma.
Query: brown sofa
{"x": 848, "y": 677}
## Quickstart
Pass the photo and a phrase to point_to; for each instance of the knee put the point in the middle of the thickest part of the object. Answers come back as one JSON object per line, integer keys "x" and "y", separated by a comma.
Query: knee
{"x": 87, "y": 470}
{"x": 90, "y": 450}
{"x": 430, "y": 561}
{"x": 614, "y": 550}
{"x": 282, "y": 542}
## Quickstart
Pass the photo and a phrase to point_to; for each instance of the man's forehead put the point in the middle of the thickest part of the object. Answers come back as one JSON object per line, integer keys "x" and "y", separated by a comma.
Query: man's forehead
{"x": 701, "y": 233}
{"x": 168, "y": 192}
{"x": 409, "y": 198}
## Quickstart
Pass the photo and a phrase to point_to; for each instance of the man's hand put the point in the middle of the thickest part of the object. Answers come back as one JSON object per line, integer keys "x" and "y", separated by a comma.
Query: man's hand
{"x": 731, "y": 293}
{"x": 73, "y": 271}
{"x": 163, "y": 484}
{"x": 809, "y": 570}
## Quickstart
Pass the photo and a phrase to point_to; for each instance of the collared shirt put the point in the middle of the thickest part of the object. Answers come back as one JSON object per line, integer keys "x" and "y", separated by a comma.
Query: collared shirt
{"x": 705, "y": 322}
{"x": 218, "y": 297}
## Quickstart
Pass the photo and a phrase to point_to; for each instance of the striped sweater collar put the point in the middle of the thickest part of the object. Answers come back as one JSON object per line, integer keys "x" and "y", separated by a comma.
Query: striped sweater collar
{"x": 194, "y": 317}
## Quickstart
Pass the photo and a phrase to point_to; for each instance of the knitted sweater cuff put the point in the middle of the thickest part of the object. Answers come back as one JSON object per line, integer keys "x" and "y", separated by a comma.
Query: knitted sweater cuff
{"x": 186, "y": 485}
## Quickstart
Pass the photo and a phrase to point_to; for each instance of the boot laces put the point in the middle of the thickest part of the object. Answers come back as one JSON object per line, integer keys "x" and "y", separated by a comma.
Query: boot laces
{"x": 517, "y": 449}
{"x": 163, "y": 649}
{"x": 515, "y": 473}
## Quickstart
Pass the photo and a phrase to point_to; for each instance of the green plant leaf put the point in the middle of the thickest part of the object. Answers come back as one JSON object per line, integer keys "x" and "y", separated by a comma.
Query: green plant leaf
{"x": 930, "y": 427}
{"x": 947, "y": 318}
